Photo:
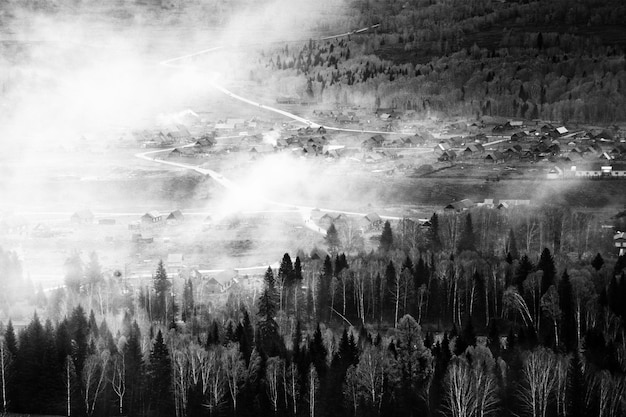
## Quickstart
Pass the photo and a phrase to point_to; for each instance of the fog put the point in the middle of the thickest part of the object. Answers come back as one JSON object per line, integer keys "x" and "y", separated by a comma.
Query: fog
{"x": 78, "y": 79}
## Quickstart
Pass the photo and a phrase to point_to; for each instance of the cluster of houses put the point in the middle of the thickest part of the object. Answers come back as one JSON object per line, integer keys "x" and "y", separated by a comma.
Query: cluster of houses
{"x": 491, "y": 203}
{"x": 369, "y": 222}
{"x": 597, "y": 170}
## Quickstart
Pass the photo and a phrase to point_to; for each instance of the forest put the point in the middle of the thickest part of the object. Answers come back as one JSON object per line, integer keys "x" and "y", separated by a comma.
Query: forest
{"x": 431, "y": 323}
{"x": 460, "y": 58}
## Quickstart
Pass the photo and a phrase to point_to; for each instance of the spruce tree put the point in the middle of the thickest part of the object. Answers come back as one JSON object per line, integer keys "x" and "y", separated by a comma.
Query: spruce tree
{"x": 323, "y": 291}
{"x": 546, "y": 264}
{"x": 386, "y": 238}
{"x": 512, "y": 245}
{"x": 162, "y": 287}
{"x": 160, "y": 378}
{"x": 524, "y": 268}
{"x": 568, "y": 314}
{"x": 332, "y": 239}
{"x": 576, "y": 389}
{"x": 318, "y": 352}
{"x": 597, "y": 262}
{"x": 433, "y": 235}
{"x": 467, "y": 241}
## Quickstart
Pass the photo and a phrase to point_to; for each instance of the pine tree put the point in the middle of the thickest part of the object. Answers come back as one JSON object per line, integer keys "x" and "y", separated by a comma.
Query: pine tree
{"x": 435, "y": 241}
{"x": 10, "y": 340}
{"x": 467, "y": 241}
{"x": 286, "y": 270}
{"x": 576, "y": 389}
{"x": 386, "y": 238}
{"x": 546, "y": 264}
{"x": 188, "y": 301}
{"x": 391, "y": 299}
{"x": 246, "y": 341}
{"x": 512, "y": 245}
{"x": 160, "y": 377}
{"x": 134, "y": 366}
{"x": 568, "y": 314}
{"x": 597, "y": 262}
{"x": 524, "y": 268}
{"x": 323, "y": 291}
{"x": 318, "y": 352}
{"x": 332, "y": 239}
{"x": 92, "y": 326}
{"x": 79, "y": 332}
{"x": 162, "y": 287}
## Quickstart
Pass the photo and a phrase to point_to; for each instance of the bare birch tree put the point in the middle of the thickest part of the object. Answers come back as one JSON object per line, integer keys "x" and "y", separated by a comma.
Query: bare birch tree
{"x": 213, "y": 382}
{"x": 118, "y": 378}
{"x": 273, "y": 372}
{"x": 94, "y": 376}
{"x": 539, "y": 381}
{"x": 234, "y": 369}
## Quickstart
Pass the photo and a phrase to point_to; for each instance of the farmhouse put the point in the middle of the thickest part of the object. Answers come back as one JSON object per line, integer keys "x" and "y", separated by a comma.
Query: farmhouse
{"x": 372, "y": 221}
{"x": 447, "y": 156}
{"x": 459, "y": 206}
{"x": 331, "y": 218}
{"x": 82, "y": 217}
{"x": 599, "y": 170}
{"x": 216, "y": 281}
{"x": 317, "y": 253}
{"x": 473, "y": 149}
{"x": 494, "y": 156}
{"x": 175, "y": 217}
{"x": 373, "y": 142}
{"x": 151, "y": 217}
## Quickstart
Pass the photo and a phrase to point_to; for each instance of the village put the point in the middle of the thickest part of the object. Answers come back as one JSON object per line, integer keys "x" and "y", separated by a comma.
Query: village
{"x": 501, "y": 158}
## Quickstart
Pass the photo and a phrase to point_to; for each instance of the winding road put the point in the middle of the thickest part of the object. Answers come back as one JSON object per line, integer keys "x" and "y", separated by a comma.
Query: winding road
{"x": 304, "y": 210}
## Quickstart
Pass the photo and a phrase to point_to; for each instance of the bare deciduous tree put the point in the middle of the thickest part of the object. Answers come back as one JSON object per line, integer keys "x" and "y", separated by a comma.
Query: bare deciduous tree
{"x": 234, "y": 369}
{"x": 94, "y": 375}
{"x": 539, "y": 381}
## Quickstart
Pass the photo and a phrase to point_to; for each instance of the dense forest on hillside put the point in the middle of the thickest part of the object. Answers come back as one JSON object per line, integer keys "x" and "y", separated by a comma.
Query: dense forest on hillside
{"x": 432, "y": 323}
{"x": 543, "y": 59}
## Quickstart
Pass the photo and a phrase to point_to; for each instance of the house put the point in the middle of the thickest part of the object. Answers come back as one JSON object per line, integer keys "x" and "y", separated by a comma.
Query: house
{"x": 447, "y": 156}
{"x": 373, "y": 142}
{"x": 513, "y": 150}
{"x": 494, "y": 157}
{"x": 596, "y": 170}
{"x": 414, "y": 141}
{"x": 262, "y": 148}
{"x": 82, "y": 217}
{"x": 555, "y": 173}
{"x": 331, "y": 218}
{"x": 619, "y": 241}
{"x": 206, "y": 141}
{"x": 442, "y": 147}
{"x": 317, "y": 253}
{"x": 459, "y": 206}
{"x": 473, "y": 149}
{"x": 151, "y": 217}
{"x": 216, "y": 281}
{"x": 515, "y": 137}
{"x": 178, "y": 136}
{"x": 562, "y": 130}
{"x": 183, "y": 152}
{"x": 175, "y": 217}
{"x": 372, "y": 221}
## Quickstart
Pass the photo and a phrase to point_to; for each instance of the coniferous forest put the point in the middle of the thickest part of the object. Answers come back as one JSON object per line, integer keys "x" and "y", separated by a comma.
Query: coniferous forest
{"x": 416, "y": 328}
